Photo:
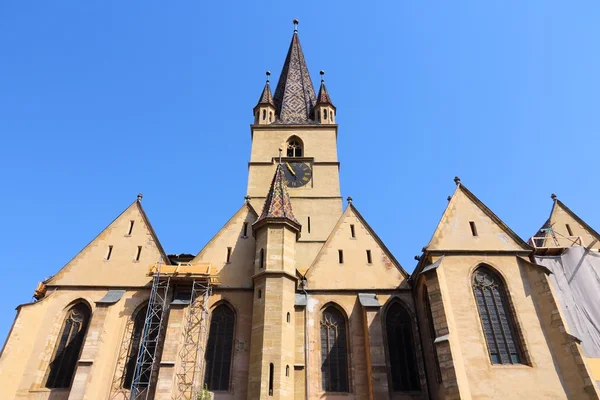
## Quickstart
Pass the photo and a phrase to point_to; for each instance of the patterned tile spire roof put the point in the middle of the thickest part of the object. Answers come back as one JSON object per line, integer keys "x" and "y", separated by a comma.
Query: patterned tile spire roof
{"x": 323, "y": 96}
{"x": 266, "y": 98}
{"x": 278, "y": 207}
{"x": 295, "y": 95}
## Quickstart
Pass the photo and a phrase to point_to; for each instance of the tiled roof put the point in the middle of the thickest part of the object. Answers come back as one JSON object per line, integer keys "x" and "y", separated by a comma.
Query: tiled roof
{"x": 294, "y": 95}
{"x": 266, "y": 98}
{"x": 323, "y": 97}
{"x": 278, "y": 204}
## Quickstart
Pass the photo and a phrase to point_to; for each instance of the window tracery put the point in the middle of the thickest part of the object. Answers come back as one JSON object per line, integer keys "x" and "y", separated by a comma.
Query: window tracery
{"x": 496, "y": 317}
{"x": 68, "y": 347}
{"x": 334, "y": 359}
{"x": 219, "y": 348}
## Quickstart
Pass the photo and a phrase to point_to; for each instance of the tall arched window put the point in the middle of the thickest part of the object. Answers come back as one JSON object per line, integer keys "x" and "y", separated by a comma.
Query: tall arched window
{"x": 295, "y": 147}
{"x": 68, "y": 347}
{"x": 401, "y": 349}
{"x": 134, "y": 346}
{"x": 334, "y": 352}
{"x": 219, "y": 349}
{"x": 496, "y": 317}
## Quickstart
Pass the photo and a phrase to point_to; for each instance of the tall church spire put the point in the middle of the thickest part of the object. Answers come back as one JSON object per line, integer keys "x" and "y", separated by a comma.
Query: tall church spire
{"x": 278, "y": 207}
{"x": 295, "y": 95}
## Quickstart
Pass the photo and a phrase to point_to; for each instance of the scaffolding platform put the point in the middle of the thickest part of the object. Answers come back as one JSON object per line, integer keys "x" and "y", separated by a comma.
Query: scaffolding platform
{"x": 186, "y": 271}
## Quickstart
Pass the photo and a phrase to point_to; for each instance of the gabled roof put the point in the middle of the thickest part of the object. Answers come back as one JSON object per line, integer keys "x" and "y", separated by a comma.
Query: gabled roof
{"x": 246, "y": 205}
{"x": 294, "y": 95}
{"x": 278, "y": 206}
{"x": 460, "y": 188}
{"x": 559, "y": 204}
{"x": 137, "y": 204}
{"x": 352, "y": 208}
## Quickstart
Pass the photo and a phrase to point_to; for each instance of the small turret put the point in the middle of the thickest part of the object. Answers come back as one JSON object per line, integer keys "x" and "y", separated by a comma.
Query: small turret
{"x": 264, "y": 111}
{"x": 324, "y": 109}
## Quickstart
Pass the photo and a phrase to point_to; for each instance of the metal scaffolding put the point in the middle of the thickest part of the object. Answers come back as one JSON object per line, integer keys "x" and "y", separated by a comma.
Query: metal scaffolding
{"x": 147, "y": 361}
{"x": 197, "y": 280}
{"x": 191, "y": 354}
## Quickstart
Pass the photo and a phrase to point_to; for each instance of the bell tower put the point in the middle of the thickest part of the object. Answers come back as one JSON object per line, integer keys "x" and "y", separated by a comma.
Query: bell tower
{"x": 304, "y": 126}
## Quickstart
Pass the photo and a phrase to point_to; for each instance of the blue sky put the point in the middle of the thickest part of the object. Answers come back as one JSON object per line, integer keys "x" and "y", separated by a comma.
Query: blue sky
{"x": 102, "y": 100}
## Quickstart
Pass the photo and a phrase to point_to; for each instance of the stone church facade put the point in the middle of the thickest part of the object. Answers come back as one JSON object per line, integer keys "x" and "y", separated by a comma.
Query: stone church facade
{"x": 305, "y": 301}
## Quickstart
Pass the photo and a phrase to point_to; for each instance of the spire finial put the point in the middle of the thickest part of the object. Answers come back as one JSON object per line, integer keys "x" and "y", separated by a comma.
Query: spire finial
{"x": 268, "y": 73}
{"x": 457, "y": 180}
{"x": 349, "y": 199}
{"x": 553, "y": 196}
{"x": 295, "y": 26}
{"x": 247, "y": 198}
{"x": 139, "y": 197}
{"x": 322, "y": 75}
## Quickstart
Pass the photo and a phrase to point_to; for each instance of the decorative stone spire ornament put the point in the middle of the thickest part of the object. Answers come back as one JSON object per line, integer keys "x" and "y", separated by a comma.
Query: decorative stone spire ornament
{"x": 140, "y": 197}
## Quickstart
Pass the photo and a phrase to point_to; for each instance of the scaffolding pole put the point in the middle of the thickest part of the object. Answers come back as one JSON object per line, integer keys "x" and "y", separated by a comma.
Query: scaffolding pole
{"x": 147, "y": 360}
{"x": 191, "y": 354}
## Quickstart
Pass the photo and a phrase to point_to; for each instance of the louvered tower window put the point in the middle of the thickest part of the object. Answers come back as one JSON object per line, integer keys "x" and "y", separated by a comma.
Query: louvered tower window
{"x": 134, "y": 347}
{"x": 496, "y": 317}
{"x": 68, "y": 347}
{"x": 334, "y": 352}
{"x": 401, "y": 349}
{"x": 219, "y": 348}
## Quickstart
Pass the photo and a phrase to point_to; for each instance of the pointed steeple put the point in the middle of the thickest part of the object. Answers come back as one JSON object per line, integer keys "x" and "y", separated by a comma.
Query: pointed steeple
{"x": 323, "y": 96}
{"x": 266, "y": 98}
{"x": 295, "y": 95}
{"x": 324, "y": 109}
{"x": 264, "y": 111}
{"x": 278, "y": 206}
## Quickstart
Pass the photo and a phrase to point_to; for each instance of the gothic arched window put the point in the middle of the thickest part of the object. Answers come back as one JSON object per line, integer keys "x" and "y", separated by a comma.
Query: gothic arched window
{"x": 401, "y": 349}
{"x": 334, "y": 351}
{"x": 219, "y": 348}
{"x": 496, "y": 317}
{"x": 68, "y": 347}
{"x": 294, "y": 147}
{"x": 134, "y": 346}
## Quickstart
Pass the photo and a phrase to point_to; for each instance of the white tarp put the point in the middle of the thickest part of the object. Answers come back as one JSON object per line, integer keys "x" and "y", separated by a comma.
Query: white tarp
{"x": 576, "y": 282}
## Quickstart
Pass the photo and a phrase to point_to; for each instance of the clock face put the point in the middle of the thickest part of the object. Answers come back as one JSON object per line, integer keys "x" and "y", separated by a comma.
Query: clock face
{"x": 297, "y": 174}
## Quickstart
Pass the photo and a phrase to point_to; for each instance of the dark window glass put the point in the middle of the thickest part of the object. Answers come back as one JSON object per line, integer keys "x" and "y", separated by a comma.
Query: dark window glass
{"x": 68, "y": 347}
{"x": 401, "y": 349}
{"x": 496, "y": 317}
{"x": 134, "y": 346}
{"x": 334, "y": 359}
{"x": 219, "y": 348}
{"x": 271, "y": 368}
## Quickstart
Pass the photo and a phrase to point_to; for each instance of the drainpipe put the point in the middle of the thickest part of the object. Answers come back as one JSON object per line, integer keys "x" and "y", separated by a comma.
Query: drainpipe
{"x": 306, "y": 342}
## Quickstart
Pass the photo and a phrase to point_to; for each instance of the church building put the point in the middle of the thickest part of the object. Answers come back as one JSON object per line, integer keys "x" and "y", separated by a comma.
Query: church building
{"x": 296, "y": 297}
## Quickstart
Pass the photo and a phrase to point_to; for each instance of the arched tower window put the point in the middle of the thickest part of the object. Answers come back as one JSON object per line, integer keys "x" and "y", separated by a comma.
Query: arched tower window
{"x": 496, "y": 316}
{"x": 334, "y": 351}
{"x": 139, "y": 318}
{"x": 295, "y": 147}
{"x": 401, "y": 349}
{"x": 219, "y": 348}
{"x": 68, "y": 347}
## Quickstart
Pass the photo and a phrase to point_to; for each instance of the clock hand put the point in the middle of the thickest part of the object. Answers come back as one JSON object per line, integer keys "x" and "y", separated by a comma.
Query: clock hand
{"x": 290, "y": 168}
